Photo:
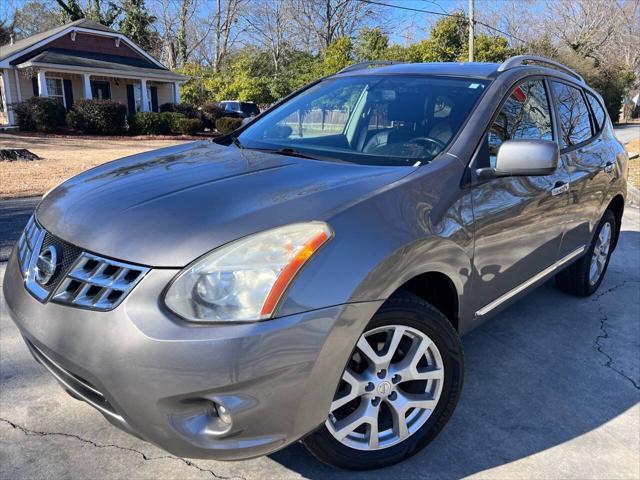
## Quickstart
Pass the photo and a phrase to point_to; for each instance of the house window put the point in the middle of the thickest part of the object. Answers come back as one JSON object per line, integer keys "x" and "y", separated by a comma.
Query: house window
{"x": 1, "y": 98}
{"x": 55, "y": 89}
{"x": 137, "y": 93}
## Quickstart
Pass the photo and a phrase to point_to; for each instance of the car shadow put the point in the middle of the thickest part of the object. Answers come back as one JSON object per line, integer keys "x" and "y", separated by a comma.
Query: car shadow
{"x": 543, "y": 372}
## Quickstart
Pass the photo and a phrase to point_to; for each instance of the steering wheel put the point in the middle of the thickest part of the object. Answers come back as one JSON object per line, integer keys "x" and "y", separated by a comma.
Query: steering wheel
{"x": 433, "y": 141}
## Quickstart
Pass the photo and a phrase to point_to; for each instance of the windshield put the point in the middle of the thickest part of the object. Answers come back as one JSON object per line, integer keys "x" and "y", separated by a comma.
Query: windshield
{"x": 371, "y": 120}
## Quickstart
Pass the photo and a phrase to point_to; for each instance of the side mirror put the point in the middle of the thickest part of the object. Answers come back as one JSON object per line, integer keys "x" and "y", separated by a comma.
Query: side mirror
{"x": 245, "y": 120}
{"x": 523, "y": 158}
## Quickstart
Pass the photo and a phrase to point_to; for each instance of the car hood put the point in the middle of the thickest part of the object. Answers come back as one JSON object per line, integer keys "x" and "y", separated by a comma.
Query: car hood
{"x": 167, "y": 207}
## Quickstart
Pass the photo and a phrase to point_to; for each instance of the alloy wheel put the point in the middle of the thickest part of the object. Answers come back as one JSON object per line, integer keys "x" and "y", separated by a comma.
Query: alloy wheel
{"x": 600, "y": 254}
{"x": 388, "y": 390}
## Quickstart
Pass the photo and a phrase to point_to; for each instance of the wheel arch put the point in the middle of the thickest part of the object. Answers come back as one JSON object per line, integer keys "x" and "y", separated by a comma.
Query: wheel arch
{"x": 616, "y": 205}
{"x": 437, "y": 289}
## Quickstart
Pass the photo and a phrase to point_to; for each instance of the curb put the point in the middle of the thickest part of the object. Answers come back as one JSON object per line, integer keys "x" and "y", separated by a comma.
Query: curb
{"x": 633, "y": 196}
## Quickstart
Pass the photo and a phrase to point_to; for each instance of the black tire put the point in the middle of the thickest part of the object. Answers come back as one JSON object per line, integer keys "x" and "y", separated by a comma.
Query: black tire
{"x": 575, "y": 278}
{"x": 411, "y": 311}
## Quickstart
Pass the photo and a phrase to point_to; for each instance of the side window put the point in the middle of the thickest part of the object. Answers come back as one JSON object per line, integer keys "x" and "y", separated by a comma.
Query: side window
{"x": 525, "y": 115}
{"x": 573, "y": 113}
{"x": 598, "y": 111}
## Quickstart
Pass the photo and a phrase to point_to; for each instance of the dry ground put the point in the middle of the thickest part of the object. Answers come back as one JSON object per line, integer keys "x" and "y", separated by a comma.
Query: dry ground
{"x": 633, "y": 148}
{"x": 61, "y": 158}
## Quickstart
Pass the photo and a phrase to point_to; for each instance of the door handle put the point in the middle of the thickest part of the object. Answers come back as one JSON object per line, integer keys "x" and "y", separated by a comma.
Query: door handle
{"x": 608, "y": 168}
{"x": 559, "y": 188}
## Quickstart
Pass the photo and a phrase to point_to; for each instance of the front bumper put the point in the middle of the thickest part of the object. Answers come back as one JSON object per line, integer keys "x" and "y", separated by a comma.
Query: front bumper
{"x": 155, "y": 376}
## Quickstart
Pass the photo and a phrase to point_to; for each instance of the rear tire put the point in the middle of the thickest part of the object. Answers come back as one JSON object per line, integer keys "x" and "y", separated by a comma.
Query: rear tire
{"x": 431, "y": 378}
{"x": 583, "y": 277}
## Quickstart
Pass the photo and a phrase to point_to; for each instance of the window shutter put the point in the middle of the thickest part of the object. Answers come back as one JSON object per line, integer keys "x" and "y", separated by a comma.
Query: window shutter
{"x": 34, "y": 82}
{"x": 154, "y": 98}
{"x": 131, "y": 100}
{"x": 68, "y": 93}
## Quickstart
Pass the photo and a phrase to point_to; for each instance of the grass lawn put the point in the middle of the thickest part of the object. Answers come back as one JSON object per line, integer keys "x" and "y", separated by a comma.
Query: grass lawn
{"x": 634, "y": 164}
{"x": 62, "y": 157}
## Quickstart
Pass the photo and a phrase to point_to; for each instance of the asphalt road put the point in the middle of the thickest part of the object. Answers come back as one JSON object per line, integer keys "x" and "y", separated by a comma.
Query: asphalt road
{"x": 552, "y": 390}
{"x": 627, "y": 133}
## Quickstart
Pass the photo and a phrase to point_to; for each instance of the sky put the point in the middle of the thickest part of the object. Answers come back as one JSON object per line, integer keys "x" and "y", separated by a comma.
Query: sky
{"x": 403, "y": 26}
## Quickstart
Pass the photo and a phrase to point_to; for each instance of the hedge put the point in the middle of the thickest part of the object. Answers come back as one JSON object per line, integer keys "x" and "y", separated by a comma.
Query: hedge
{"x": 185, "y": 109}
{"x": 165, "y": 123}
{"x": 188, "y": 126}
{"x": 43, "y": 114}
{"x": 209, "y": 113}
{"x": 104, "y": 117}
{"x": 228, "y": 124}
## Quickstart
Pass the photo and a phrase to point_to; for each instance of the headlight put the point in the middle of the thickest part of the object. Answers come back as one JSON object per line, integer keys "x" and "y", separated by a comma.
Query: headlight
{"x": 245, "y": 280}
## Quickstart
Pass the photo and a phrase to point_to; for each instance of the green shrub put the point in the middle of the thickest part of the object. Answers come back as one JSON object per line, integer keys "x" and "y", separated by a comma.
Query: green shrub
{"x": 185, "y": 109}
{"x": 149, "y": 123}
{"x": 171, "y": 120}
{"x": 188, "y": 126}
{"x": 209, "y": 113}
{"x": 104, "y": 117}
{"x": 43, "y": 114}
{"x": 228, "y": 124}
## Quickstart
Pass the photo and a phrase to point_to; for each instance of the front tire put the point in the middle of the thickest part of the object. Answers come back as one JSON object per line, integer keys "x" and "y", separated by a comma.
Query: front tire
{"x": 399, "y": 389}
{"x": 583, "y": 277}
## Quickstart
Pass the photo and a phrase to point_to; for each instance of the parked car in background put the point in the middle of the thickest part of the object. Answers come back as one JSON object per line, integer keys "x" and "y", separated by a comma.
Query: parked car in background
{"x": 236, "y": 108}
{"x": 309, "y": 275}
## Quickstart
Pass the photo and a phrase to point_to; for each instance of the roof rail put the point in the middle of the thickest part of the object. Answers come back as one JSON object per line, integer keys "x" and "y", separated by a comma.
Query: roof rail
{"x": 363, "y": 65}
{"x": 528, "y": 59}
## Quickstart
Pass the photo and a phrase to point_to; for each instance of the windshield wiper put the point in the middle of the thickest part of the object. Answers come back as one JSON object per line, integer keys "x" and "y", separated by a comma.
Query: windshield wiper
{"x": 289, "y": 152}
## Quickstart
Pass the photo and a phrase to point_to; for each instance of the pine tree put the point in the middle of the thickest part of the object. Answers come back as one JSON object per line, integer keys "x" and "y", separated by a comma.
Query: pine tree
{"x": 136, "y": 24}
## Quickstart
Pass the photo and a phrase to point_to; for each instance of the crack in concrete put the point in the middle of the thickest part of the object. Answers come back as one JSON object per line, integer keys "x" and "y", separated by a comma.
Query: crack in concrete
{"x": 145, "y": 457}
{"x": 605, "y": 334}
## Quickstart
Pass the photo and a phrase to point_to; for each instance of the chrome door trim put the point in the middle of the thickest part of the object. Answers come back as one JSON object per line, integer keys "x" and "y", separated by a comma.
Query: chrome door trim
{"x": 523, "y": 286}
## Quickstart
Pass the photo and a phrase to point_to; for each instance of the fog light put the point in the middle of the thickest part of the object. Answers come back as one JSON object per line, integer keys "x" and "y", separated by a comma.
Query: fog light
{"x": 219, "y": 421}
{"x": 224, "y": 414}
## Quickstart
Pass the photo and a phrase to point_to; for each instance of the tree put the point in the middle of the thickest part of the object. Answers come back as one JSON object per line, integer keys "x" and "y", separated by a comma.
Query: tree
{"x": 329, "y": 20}
{"x": 338, "y": 54}
{"x": 447, "y": 41}
{"x": 371, "y": 44}
{"x": 95, "y": 10}
{"x": 6, "y": 32}
{"x": 137, "y": 24}
{"x": 226, "y": 17}
{"x": 269, "y": 24}
{"x": 34, "y": 17}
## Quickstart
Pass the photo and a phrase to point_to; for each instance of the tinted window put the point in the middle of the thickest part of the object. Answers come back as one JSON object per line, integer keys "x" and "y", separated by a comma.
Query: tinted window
{"x": 525, "y": 114}
{"x": 597, "y": 110}
{"x": 250, "y": 108}
{"x": 369, "y": 119}
{"x": 574, "y": 115}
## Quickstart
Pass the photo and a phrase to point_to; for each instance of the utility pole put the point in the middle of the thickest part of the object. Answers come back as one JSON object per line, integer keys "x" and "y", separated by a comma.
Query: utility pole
{"x": 471, "y": 36}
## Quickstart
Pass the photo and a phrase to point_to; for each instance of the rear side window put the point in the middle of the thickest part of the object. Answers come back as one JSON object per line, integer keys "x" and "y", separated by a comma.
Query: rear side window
{"x": 598, "y": 111}
{"x": 524, "y": 115}
{"x": 573, "y": 114}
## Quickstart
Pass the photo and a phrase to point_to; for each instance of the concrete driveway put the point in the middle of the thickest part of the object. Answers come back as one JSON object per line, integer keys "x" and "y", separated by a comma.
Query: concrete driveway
{"x": 552, "y": 390}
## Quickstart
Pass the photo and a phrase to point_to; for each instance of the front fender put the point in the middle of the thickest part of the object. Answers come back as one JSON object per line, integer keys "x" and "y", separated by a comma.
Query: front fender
{"x": 418, "y": 225}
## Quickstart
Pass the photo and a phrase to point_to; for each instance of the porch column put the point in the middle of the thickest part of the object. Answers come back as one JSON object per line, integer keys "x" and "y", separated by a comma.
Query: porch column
{"x": 7, "y": 95}
{"x": 42, "y": 84}
{"x": 143, "y": 96}
{"x": 176, "y": 92}
{"x": 87, "y": 86}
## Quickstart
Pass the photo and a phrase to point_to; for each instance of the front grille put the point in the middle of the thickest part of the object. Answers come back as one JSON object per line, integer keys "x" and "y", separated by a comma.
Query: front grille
{"x": 27, "y": 244}
{"x": 68, "y": 254}
{"x": 80, "y": 279}
{"x": 76, "y": 384}
{"x": 98, "y": 283}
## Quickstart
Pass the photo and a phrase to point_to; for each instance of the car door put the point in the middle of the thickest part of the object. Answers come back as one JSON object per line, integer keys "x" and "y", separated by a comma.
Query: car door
{"x": 587, "y": 158}
{"x": 518, "y": 219}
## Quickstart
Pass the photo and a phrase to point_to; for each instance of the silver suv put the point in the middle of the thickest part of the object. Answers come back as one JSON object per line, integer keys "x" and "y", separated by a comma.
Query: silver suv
{"x": 309, "y": 276}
